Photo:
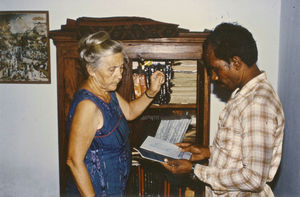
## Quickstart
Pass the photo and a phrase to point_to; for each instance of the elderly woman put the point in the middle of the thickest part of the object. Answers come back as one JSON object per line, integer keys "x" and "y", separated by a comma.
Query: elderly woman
{"x": 99, "y": 151}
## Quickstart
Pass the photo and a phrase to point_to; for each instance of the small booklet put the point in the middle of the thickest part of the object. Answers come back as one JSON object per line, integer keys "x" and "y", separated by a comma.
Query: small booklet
{"x": 157, "y": 150}
{"x": 173, "y": 128}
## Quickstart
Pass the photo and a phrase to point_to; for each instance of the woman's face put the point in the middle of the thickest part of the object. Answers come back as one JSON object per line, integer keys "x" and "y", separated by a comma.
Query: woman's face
{"x": 110, "y": 72}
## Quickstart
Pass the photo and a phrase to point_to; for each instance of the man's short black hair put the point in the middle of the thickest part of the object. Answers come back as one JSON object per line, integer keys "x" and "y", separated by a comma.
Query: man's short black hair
{"x": 228, "y": 40}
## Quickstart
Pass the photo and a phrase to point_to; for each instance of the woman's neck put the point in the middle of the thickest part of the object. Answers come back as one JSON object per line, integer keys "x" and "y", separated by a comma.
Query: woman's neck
{"x": 93, "y": 86}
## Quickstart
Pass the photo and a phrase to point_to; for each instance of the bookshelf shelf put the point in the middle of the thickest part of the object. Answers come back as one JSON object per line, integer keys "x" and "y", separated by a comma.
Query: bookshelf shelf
{"x": 174, "y": 106}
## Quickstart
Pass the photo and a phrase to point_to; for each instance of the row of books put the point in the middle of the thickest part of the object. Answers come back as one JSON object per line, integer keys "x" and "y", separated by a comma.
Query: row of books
{"x": 149, "y": 180}
{"x": 184, "y": 82}
{"x": 180, "y": 86}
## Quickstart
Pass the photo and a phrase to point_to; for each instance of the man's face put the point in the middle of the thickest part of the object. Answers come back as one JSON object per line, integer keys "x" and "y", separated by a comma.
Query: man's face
{"x": 223, "y": 73}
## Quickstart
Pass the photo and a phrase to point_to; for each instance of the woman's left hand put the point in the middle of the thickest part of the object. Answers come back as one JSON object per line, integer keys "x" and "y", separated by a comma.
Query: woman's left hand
{"x": 156, "y": 80}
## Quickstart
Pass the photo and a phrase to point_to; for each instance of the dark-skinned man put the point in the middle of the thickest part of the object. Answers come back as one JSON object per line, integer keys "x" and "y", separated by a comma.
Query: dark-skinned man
{"x": 246, "y": 151}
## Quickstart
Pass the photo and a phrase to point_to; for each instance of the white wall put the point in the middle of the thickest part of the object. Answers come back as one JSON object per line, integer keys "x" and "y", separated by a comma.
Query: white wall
{"x": 28, "y": 114}
{"x": 289, "y": 92}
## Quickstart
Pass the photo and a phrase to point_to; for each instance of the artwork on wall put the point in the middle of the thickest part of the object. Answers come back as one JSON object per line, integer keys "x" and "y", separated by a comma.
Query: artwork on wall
{"x": 24, "y": 47}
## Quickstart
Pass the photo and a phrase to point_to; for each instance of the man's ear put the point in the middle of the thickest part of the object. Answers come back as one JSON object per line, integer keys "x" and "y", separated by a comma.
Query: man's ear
{"x": 236, "y": 62}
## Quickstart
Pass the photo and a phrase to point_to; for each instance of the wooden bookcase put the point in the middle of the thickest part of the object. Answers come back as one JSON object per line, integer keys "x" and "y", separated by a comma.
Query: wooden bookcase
{"x": 141, "y": 37}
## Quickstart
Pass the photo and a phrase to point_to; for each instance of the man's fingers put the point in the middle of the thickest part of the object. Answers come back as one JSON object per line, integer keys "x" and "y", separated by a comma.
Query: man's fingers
{"x": 169, "y": 165}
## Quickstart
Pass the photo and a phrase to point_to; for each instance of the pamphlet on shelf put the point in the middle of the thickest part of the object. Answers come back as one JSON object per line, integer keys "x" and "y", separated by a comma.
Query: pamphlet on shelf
{"x": 157, "y": 150}
{"x": 173, "y": 128}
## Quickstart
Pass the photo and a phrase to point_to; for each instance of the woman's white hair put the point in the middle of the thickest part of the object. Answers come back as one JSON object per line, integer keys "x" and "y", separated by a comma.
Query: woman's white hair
{"x": 97, "y": 45}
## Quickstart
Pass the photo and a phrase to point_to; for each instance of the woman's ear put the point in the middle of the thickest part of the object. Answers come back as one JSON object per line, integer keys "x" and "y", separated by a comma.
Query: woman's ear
{"x": 90, "y": 70}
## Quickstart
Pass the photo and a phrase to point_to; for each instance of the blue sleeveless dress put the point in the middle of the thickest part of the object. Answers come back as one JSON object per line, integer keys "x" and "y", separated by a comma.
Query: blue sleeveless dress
{"x": 108, "y": 158}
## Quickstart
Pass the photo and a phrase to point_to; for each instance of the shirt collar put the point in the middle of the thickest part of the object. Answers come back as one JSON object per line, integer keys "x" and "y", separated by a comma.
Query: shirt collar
{"x": 249, "y": 85}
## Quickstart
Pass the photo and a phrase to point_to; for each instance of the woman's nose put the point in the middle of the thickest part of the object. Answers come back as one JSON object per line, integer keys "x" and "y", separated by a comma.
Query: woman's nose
{"x": 119, "y": 74}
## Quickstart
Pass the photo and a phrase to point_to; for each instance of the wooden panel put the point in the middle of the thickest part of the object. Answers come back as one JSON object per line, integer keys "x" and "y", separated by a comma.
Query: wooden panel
{"x": 203, "y": 105}
{"x": 69, "y": 77}
{"x": 174, "y": 106}
{"x": 165, "y": 50}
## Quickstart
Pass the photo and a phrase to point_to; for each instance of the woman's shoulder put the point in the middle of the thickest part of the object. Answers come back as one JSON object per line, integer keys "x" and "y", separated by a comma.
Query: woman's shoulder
{"x": 87, "y": 106}
{"x": 82, "y": 94}
{"x": 82, "y": 98}
{"x": 82, "y": 91}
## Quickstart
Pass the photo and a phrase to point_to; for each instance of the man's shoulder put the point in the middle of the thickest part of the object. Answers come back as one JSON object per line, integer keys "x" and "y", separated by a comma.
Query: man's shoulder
{"x": 264, "y": 89}
{"x": 264, "y": 94}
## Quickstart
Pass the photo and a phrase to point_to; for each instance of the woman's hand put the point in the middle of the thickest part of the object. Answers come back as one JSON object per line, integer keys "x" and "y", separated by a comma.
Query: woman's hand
{"x": 179, "y": 166}
{"x": 198, "y": 152}
{"x": 136, "y": 107}
{"x": 156, "y": 80}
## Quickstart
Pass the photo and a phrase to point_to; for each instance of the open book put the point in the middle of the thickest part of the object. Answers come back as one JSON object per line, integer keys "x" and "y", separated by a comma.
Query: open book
{"x": 157, "y": 150}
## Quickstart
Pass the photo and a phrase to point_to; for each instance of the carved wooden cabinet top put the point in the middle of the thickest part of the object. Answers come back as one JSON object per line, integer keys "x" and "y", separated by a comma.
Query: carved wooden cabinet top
{"x": 120, "y": 28}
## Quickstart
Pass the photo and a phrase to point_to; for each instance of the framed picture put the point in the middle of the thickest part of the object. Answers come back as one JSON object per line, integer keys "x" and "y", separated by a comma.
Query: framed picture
{"x": 24, "y": 47}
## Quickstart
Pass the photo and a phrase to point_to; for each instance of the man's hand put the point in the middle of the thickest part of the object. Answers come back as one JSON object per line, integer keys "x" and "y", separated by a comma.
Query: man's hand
{"x": 198, "y": 152}
{"x": 180, "y": 166}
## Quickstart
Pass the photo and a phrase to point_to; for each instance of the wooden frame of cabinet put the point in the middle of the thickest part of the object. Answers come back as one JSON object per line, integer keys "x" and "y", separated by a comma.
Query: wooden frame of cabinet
{"x": 184, "y": 45}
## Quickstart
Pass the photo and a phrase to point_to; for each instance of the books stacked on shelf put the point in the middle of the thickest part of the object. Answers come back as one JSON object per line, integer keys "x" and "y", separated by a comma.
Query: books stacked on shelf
{"x": 190, "y": 136}
{"x": 150, "y": 179}
{"x": 184, "y": 82}
{"x": 144, "y": 69}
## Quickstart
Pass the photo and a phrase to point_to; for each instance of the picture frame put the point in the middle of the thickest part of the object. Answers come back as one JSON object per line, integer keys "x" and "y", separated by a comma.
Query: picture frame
{"x": 24, "y": 47}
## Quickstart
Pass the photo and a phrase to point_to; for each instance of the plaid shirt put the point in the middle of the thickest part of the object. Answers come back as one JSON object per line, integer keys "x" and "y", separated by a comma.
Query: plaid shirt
{"x": 246, "y": 151}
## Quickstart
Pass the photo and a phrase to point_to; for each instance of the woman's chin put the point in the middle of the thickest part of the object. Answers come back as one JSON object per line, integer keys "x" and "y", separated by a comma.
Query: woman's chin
{"x": 113, "y": 87}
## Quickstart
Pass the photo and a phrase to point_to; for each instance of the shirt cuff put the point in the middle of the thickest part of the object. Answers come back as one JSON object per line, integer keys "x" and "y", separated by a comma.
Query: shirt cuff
{"x": 201, "y": 172}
